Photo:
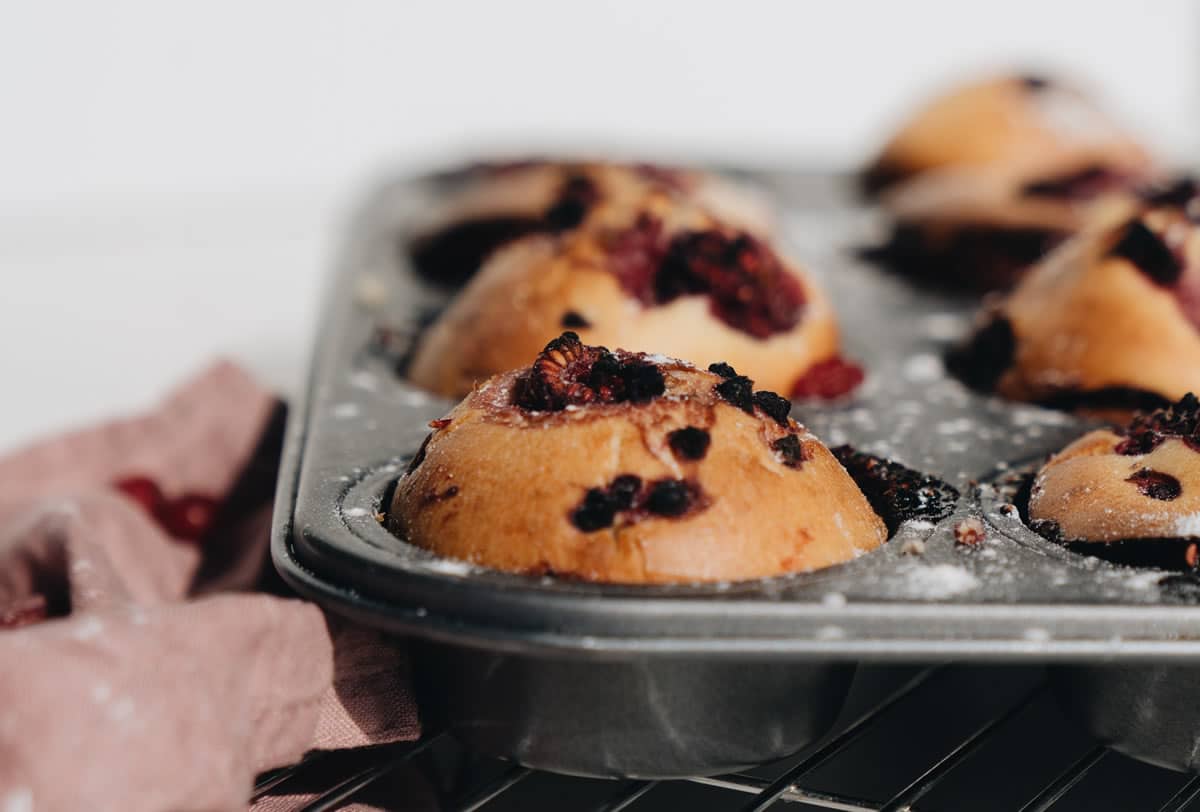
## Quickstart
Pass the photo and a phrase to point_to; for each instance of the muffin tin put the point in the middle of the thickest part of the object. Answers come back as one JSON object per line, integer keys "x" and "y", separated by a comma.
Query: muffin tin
{"x": 662, "y": 681}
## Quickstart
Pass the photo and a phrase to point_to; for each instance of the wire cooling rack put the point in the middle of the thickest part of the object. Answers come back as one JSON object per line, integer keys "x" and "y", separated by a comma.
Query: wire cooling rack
{"x": 934, "y": 739}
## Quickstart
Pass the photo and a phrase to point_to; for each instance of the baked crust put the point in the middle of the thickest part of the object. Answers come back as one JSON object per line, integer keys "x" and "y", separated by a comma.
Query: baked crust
{"x": 1003, "y": 120}
{"x": 499, "y": 485}
{"x": 1093, "y": 317}
{"x": 533, "y": 288}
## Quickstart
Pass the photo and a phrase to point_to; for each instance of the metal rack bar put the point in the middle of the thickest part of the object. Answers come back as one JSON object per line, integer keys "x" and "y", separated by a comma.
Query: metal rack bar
{"x": 268, "y": 781}
{"x": 925, "y": 782}
{"x": 1182, "y": 799}
{"x": 501, "y": 783}
{"x": 344, "y": 789}
{"x": 1068, "y": 778}
{"x": 823, "y": 800}
{"x": 626, "y": 796}
{"x": 851, "y": 732}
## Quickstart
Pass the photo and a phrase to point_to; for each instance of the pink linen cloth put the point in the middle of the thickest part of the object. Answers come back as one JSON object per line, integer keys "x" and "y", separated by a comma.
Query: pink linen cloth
{"x": 140, "y": 670}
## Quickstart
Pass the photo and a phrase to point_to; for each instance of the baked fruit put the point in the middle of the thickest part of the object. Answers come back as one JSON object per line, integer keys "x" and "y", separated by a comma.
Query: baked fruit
{"x": 1130, "y": 495}
{"x": 1109, "y": 321}
{"x": 629, "y": 468}
{"x": 500, "y": 203}
{"x": 981, "y": 228}
{"x": 663, "y": 273}
{"x": 1002, "y": 121}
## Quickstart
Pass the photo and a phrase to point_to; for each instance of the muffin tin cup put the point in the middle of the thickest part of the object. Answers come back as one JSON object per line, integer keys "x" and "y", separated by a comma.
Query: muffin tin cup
{"x": 659, "y": 681}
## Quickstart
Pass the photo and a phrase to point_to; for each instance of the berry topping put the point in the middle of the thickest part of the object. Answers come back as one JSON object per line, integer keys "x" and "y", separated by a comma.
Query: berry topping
{"x": 572, "y": 319}
{"x": 689, "y": 443}
{"x": 575, "y": 198}
{"x": 723, "y": 369}
{"x": 627, "y": 494}
{"x": 189, "y": 516}
{"x": 669, "y": 497}
{"x": 748, "y": 287}
{"x": 790, "y": 450}
{"x": 1146, "y": 432}
{"x": 1156, "y": 484}
{"x": 775, "y": 406}
{"x": 986, "y": 355}
{"x": 143, "y": 490}
{"x": 895, "y": 492}
{"x": 1148, "y": 253}
{"x": 828, "y": 379}
{"x": 1077, "y": 185}
{"x": 737, "y": 391}
{"x": 569, "y": 372}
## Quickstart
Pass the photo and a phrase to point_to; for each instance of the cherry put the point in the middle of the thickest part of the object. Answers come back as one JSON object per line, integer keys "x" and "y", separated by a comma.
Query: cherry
{"x": 143, "y": 490}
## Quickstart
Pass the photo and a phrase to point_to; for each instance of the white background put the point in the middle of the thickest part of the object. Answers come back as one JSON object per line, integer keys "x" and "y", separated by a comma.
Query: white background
{"x": 172, "y": 175}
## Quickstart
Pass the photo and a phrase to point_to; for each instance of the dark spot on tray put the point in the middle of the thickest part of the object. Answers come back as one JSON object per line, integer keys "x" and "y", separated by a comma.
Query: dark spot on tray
{"x": 689, "y": 443}
{"x": 1156, "y": 484}
{"x": 790, "y": 450}
{"x": 897, "y": 493}
{"x": 983, "y": 359}
{"x": 1149, "y": 254}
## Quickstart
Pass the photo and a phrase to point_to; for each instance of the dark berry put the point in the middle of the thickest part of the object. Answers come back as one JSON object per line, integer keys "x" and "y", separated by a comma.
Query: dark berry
{"x": 568, "y": 372}
{"x": 986, "y": 355}
{"x": 828, "y": 379}
{"x": 689, "y": 443}
{"x": 1156, "y": 484}
{"x": 634, "y": 256}
{"x": 575, "y": 198}
{"x": 1147, "y": 431}
{"x": 669, "y": 497}
{"x": 143, "y": 490}
{"x": 723, "y": 369}
{"x": 573, "y": 319}
{"x": 737, "y": 391}
{"x": 596, "y": 512}
{"x": 189, "y": 516}
{"x": 1148, "y": 253}
{"x": 790, "y": 450}
{"x": 1035, "y": 82}
{"x": 776, "y": 407}
{"x": 623, "y": 491}
{"x": 895, "y": 492}
{"x": 452, "y": 255}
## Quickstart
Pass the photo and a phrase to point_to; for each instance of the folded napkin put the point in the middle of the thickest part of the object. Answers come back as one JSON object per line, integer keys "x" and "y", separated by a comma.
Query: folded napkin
{"x": 150, "y": 658}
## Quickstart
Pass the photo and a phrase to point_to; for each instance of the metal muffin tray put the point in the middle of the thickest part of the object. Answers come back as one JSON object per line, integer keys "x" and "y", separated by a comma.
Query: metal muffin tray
{"x": 661, "y": 681}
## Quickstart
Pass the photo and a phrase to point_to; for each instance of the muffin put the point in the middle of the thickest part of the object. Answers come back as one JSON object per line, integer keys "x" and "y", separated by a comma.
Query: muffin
{"x": 1130, "y": 495}
{"x": 981, "y": 228}
{"x": 630, "y": 468}
{"x": 999, "y": 121}
{"x": 504, "y": 202}
{"x": 663, "y": 274}
{"x": 1108, "y": 322}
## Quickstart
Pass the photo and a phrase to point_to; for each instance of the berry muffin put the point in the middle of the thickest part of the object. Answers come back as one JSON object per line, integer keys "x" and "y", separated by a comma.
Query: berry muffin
{"x": 663, "y": 273}
{"x": 1130, "y": 495}
{"x": 981, "y": 228}
{"x": 1000, "y": 121}
{"x": 501, "y": 203}
{"x": 628, "y": 468}
{"x": 1108, "y": 322}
